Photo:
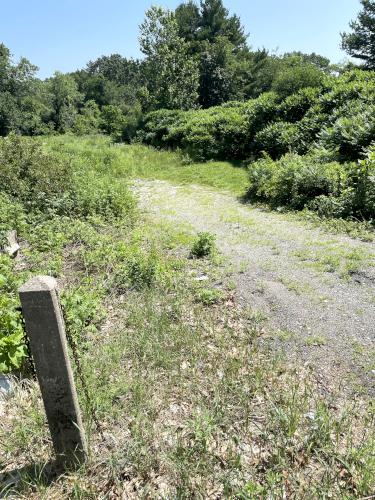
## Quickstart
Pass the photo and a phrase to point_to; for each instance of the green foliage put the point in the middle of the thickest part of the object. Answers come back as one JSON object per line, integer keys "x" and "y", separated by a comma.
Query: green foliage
{"x": 12, "y": 348}
{"x": 295, "y": 106}
{"x": 331, "y": 189}
{"x": 113, "y": 121}
{"x": 65, "y": 99}
{"x": 172, "y": 76}
{"x": 53, "y": 200}
{"x": 209, "y": 296}
{"x": 88, "y": 121}
{"x": 54, "y": 183}
{"x": 121, "y": 122}
{"x": 12, "y": 216}
{"x": 203, "y": 246}
{"x": 351, "y": 133}
{"x": 30, "y": 175}
{"x": 333, "y": 125}
{"x": 293, "y": 180}
{"x": 360, "y": 43}
{"x": 82, "y": 310}
{"x": 296, "y": 74}
{"x": 140, "y": 270}
{"x": 220, "y": 132}
{"x": 276, "y": 139}
{"x": 24, "y": 101}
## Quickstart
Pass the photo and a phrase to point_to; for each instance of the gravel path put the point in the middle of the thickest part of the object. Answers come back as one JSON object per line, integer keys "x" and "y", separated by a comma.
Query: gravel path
{"x": 317, "y": 290}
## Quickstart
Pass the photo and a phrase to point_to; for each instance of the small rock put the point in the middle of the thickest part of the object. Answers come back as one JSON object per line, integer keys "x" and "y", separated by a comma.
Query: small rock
{"x": 201, "y": 278}
{"x": 11, "y": 247}
{"x": 6, "y": 385}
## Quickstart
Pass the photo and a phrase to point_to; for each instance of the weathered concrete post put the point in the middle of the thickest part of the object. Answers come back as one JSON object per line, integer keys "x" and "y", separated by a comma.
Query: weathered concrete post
{"x": 46, "y": 332}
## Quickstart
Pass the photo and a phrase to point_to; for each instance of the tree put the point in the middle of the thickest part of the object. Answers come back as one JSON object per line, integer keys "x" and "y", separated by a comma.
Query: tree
{"x": 65, "y": 99}
{"x": 208, "y": 22}
{"x": 188, "y": 19}
{"x": 88, "y": 121}
{"x": 360, "y": 43}
{"x": 215, "y": 22}
{"x": 218, "y": 42}
{"x": 117, "y": 69}
{"x": 23, "y": 99}
{"x": 319, "y": 61}
{"x": 172, "y": 76}
{"x": 217, "y": 66}
{"x": 295, "y": 74}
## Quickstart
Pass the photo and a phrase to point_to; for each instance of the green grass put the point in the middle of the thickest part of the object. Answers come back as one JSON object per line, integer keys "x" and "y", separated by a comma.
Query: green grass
{"x": 330, "y": 256}
{"x": 138, "y": 161}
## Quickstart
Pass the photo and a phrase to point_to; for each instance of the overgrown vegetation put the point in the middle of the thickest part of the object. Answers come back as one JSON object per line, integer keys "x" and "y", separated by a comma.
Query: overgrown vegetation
{"x": 54, "y": 202}
{"x": 201, "y": 89}
{"x": 191, "y": 402}
{"x": 173, "y": 366}
{"x": 314, "y": 147}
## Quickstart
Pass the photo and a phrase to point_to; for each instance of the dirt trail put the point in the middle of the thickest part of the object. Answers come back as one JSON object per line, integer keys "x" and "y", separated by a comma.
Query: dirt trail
{"x": 316, "y": 289}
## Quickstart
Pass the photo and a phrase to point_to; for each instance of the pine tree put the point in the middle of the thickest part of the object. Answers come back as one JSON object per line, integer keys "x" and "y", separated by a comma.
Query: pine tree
{"x": 360, "y": 43}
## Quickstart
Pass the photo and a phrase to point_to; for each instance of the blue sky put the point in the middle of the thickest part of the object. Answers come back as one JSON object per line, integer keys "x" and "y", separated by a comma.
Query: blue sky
{"x": 65, "y": 34}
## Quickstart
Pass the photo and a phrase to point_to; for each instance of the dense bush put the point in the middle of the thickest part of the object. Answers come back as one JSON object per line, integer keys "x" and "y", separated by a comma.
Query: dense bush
{"x": 297, "y": 76}
{"x": 12, "y": 349}
{"x": 332, "y": 124}
{"x": 121, "y": 122}
{"x": 30, "y": 175}
{"x": 352, "y": 132}
{"x": 220, "y": 132}
{"x": 203, "y": 245}
{"x": 56, "y": 184}
{"x": 294, "y": 107}
{"x": 338, "y": 114}
{"x": 276, "y": 139}
{"x": 330, "y": 188}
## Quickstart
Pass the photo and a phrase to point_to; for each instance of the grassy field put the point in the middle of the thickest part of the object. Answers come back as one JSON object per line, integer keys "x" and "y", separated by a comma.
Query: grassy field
{"x": 190, "y": 404}
{"x": 139, "y": 161}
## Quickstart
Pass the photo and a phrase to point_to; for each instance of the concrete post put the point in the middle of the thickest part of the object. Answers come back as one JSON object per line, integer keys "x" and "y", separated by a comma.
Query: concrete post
{"x": 46, "y": 332}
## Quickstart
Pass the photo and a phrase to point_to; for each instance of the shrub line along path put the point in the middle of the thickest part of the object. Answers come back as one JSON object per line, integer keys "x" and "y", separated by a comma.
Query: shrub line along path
{"x": 316, "y": 290}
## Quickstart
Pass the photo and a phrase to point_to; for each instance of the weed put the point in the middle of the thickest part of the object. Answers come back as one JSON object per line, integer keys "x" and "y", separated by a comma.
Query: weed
{"x": 203, "y": 246}
{"x": 209, "y": 296}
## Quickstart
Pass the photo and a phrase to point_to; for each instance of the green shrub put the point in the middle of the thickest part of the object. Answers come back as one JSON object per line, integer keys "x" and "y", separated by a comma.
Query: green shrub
{"x": 32, "y": 176}
{"x": 294, "y": 180}
{"x": 297, "y": 76}
{"x": 330, "y": 188}
{"x": 88, "y": 121}
{"x": 140, "y": 270}
{"x": 276, "y": 139}
{"x": 12, "y": 216}
{"x": 352, "y": 132}
{"x": 82, "y": 310}
{"x": 156, "y": 127}
{"x": 55, "y": 183}
{"x": 95, "y": 195}
{"x": 209, "y": 296}
{"x": 295, "y": 106}
{"x": 204, "y": 245}
{"x": 221, "y": 132}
